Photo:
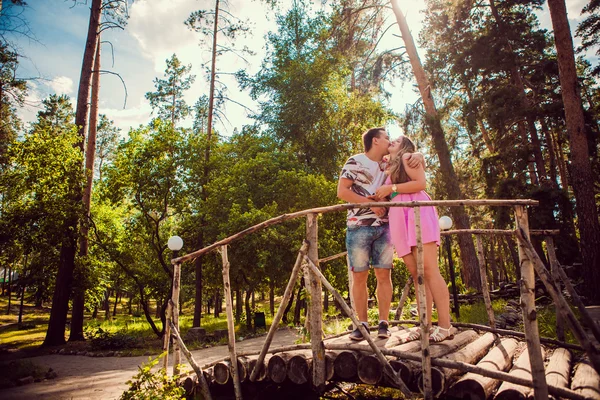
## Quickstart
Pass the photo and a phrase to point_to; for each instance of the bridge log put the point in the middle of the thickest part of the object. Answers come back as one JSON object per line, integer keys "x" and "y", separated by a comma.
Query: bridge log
{"x": 473, "y": 386}
{"x": 558, "y": 370}
{"x": 221, "y": 372}
{"x": 441, "y": 349}
{"x": 521, "y": 369}
{"x": 261, "y": 372}
{"x": 345, "y": 366}
{"x": 370, "y": 370}
{"x": 298, "y": 368}
{"x": 277, "y": 367}
{"x": 586, "y": 381}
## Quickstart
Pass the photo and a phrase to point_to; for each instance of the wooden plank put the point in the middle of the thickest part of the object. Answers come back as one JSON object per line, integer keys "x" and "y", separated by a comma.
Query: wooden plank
{"x": 315, "y": 304}
{"x": 560, "y": 325}
{"x": 558, "y": 370}
{"x": 199, "y": 373}
{"x": 559, "y": 301}
{"x": 522, "y": 369}
{"x": 586, "y": 381}
{"x": 484, "y": 282}
{"x": 284, "y": 302}
{"x": 532, "y": 334}
{"x": 175, "y": 315}
{"x": 347, "y": 206}
{"x": 230, "y": 324}
{"x": 424, "y": 323}
{"x": 475, "y": 386}
{"x": 387, "y": 367}
{"x": 403, "y": 298}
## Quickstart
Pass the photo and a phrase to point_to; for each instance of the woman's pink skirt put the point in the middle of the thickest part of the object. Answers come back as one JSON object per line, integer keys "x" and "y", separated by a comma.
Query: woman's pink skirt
{"x": 402, "y": 223}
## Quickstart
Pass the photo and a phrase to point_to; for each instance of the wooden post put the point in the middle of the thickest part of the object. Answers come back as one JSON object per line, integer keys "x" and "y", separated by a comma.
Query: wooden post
{"x": 403, "y": 298}
{"x": 193, "y": 363}
{"x": 175, "y": 315}
{"x": 560, "y": 325}
{"x": 230, "y": 325}
{"x": 424, "y": 324}
{"x": 559, "y": 301}
{"x": 532, "y": 335}
{"x": 315, "y": 313}
{"x": 484, "y": 282}
{"x": 167, "y": 337}
{"x": 284, "y": 302}
{"x": 387, "y": 367}
{"x": 350, "y": 283}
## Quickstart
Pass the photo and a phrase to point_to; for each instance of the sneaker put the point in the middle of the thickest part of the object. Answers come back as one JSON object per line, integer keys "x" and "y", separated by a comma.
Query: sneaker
{"x": 357, "y": 334}
{"x": 384, "y": 330}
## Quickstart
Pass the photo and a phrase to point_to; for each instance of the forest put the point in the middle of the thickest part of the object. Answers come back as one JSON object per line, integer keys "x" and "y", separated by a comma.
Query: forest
{"x": 507, "y": 110}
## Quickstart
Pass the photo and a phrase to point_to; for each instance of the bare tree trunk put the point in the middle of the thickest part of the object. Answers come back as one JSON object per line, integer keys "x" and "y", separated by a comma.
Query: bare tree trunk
{"x": 3, "y": 281}
{"x": 9, "y": 291}
{"x": 238, "y": 305}
{"x": 55, "y": 335}
{"x": 249, "y": 294}
{"x": 90, "y": 153}
{"x": 465, "y": 242}
{"x": 582, "y": 177}
{"x": 272, "y": 297}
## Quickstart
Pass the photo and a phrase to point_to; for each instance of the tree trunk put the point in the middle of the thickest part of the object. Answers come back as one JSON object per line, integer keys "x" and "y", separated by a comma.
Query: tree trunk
{"x": 9, "y": 291}
{"x": 238, "y": 305}
{"x": 20, "y": 320}
{"x": 247, "y": 300}
{"x": 198, "y": 299}
{"x": 90, "y": 153}
{"x": 4, "y": 281}
{"x": 299, "y": 303}
{"x": 272, "y": 297}
{"x": 55, "y": 335}
{"x": 107, "y": 305}
{"x": 217, "y": 303}
{"x": 582, "y": 177}
{"x": 452, "y": 188}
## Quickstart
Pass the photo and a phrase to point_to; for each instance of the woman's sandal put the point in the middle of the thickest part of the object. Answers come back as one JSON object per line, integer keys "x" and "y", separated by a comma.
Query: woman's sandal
{"x": 414, "y": 335}
{"x": 441, "y": 334}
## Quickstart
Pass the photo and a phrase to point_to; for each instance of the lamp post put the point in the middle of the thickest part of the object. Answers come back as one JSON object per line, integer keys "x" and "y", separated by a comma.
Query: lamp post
{"x": 175, "y": 243}
{"x": 445, "y": 224}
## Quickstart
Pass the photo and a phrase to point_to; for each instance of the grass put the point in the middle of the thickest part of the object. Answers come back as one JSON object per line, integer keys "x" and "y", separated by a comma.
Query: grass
{"x": 135, "y": 336}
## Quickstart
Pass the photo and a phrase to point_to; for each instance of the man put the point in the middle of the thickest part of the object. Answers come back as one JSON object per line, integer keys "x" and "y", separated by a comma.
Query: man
{"x": 368, "y": 234}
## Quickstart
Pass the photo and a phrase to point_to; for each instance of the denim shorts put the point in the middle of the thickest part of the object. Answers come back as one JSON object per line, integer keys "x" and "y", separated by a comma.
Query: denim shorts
{"x": 369, "y": 245}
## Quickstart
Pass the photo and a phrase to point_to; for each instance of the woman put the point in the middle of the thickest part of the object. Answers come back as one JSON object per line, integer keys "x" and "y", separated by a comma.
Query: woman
{"x": 408, "y": 184}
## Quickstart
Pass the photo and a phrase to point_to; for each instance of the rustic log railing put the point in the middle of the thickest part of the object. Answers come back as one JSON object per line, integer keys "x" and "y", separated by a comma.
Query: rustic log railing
{"x": 308, "y": 260}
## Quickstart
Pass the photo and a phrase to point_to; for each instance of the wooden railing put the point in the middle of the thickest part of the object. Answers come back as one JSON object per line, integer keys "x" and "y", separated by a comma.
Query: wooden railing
{"x": 308, "y": 261}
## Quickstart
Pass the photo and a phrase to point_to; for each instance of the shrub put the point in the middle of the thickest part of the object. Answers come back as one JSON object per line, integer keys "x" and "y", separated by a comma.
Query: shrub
{"x": 148, "y": 385}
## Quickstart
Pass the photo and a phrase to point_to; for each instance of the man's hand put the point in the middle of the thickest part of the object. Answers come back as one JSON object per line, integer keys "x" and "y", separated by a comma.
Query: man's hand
{"x": 414, "y": 160}
{"x": 379, "y": 211}
{"x": 382, "y": 192}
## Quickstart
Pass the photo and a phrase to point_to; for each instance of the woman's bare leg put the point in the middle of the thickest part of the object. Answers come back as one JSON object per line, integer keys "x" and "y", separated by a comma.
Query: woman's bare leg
{"x": 436, "y": 284}
{"x": 411, "y": 263}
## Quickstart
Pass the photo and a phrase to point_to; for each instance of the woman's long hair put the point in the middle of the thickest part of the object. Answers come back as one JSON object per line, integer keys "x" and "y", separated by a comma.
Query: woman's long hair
{"x": 396, "y": 169}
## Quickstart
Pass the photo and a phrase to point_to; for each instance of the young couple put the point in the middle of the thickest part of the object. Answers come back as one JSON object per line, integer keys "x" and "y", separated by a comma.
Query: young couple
{"x": 373, "y": 233}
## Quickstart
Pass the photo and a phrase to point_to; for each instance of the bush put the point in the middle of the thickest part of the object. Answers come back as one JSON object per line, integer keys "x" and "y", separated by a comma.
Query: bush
{"x": 104, "y": 340}
{"x": 148, "y": 385}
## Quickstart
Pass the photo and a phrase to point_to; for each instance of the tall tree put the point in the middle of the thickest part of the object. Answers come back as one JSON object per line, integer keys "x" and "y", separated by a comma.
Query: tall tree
{"x": 168, "y": 98}
{"x": 55, "y": 335}
{"x": 580, "y": 167}
{"x": 226, "y": 27}
{"x": 440, "y": 146}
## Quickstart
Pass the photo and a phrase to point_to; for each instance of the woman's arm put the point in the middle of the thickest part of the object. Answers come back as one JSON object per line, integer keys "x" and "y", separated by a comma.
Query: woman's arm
{"x": 417, "y": 178}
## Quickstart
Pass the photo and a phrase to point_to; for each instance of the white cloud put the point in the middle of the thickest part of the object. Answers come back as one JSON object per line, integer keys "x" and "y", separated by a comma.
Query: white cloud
{"x": 61, "y": 85}
{"x": 131, "y": 117}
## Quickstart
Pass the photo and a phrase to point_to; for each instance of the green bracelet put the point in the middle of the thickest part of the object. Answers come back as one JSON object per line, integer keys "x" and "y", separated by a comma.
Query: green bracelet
{"x": 394, "y": 194}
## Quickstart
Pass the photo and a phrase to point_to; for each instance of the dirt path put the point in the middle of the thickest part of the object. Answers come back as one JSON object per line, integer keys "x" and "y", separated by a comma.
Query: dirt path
{"x": 81, "y": 377}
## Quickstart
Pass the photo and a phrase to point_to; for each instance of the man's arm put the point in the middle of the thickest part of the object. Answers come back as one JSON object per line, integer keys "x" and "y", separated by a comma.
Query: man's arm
{"x": 344, "y": 192}
{"x": 416, "y": 159}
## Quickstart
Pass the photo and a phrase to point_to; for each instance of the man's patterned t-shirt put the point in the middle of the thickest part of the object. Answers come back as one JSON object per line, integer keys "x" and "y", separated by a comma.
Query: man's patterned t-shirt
{"x": 366, "y": 176}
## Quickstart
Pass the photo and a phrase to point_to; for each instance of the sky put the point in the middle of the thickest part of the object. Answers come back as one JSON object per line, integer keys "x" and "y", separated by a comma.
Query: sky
{"x": 154, "y": 32}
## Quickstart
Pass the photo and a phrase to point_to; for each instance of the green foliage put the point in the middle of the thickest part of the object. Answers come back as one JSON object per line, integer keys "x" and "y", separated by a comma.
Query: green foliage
{"x": 168, "y": 98}
{"x": 104, "y": 340}
{"x": 148, "y": 385}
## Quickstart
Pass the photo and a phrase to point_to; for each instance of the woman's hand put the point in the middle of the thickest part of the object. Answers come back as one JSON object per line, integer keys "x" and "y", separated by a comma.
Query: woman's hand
{"x": 383, "y": 191}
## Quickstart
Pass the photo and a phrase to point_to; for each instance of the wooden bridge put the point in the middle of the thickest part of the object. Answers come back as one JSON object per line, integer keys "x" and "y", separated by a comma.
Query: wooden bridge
{"x": 480, "y": 362}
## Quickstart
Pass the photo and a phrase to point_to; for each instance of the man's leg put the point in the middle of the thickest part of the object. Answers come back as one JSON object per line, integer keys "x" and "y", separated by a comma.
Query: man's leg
{"x": 359, "y": 291}
{"x": 384, "y": 292}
